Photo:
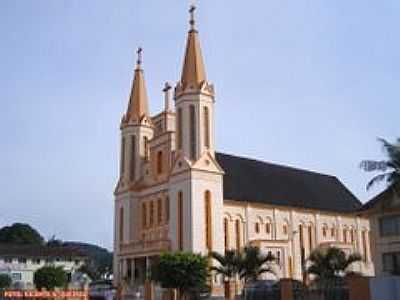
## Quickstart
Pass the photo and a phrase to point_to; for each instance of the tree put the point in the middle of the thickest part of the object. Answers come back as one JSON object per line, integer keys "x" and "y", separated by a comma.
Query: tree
{"x": 253, "y": 264}
{"x": 390, "y": 168}
{"x": 5, "y": 281}
{"x": 20, "y": 234}
{"x": 228, "y": 265}
{"x": 330, "y": 264}
{"x": 184, "y": 271}
{"x": 50, "y": 277}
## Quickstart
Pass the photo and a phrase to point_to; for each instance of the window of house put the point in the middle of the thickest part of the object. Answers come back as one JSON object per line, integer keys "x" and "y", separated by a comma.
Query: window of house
{"x": 268, "y": 228}
{"x": 159, "y": 211}
{"x": 121, "y": 224}
{"x": 285, "y": 229}
{"x": 16, "y": 276}
{"x": 8, "y": 260}
{"x": 144, "y": 215}
{"x": 352, "y": 235}
{"x": 180, "y": 220}
{"x": 151, "y": 213}
{"x": 391, "y": 262}
{"x": 226, "y": 233}
{"x": 278, "y": 257}
{"x": 389, "y": 225}
{"x": 146, "y": 147}
{"x": 167, "y": 208}
{"x": 179, "y": 128}
{"x": 122, "y": 168}
{"x": 332, "y": 231}
{"x": 206, "y": 127}
{"x": 345, "y": 235}
{"x": 192, "y": 131}
{"x": 257, "y": 227}
{"x": 159, "y": 162}
{"x": 238, "y": 234}
{"x": 22, "y": 260}
{"x": 208, "y": 220}
{"x": 132, "y": 163}
{"x": 364, "y": 243}
{"x": 324, "y": 231}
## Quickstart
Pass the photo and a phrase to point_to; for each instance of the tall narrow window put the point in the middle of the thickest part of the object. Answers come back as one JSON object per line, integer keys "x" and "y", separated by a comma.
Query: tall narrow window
{"x": 122, "y": 168}
{"x": 151, "y": 213}
{"x": 180, "y": 221}
{"x": 206, "y": 127}
{"x": 257, "y": 227}
{"x": 159, "y": 211}
{"x": 144, "y": 215}
{"x": 146, "y": 148}
{"x": 268, "y": 228}
{"x": 238, "y": 236}
{"x": 364, "y": 242}
{"x": 167, "y": 209}
{"x": 133, "y": 160}
{"x": 121, "y": 225}
{"x": 226, "y": 233}
{"x": 310, "y": 237}
{"x": 344, "y": 235}
{"x": 208, "y": 220}
{"x": 192, "y": 131}
{"x": 159, "y": 162}
{"x": 179, "y": 129}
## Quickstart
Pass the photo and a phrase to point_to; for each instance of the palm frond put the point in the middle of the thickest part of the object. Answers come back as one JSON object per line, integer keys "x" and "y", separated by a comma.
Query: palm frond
{"x": 376, "y": 179}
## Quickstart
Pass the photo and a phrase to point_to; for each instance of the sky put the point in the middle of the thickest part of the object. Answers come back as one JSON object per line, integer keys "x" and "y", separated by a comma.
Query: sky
{"x": 305, "y": 83}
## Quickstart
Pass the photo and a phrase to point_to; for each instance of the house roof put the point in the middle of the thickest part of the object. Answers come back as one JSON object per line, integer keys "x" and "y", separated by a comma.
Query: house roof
{"x": 256, "y": 181}
{"x": 7, "y": 250}
{"x": 385, "y": 194}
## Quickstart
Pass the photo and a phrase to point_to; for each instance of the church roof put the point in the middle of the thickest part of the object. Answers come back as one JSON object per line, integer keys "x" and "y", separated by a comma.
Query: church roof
{"x": 256, "y": 181}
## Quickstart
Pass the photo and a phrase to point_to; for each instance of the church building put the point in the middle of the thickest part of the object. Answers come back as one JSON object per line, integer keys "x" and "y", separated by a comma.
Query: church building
{"x": 176, "y": 192}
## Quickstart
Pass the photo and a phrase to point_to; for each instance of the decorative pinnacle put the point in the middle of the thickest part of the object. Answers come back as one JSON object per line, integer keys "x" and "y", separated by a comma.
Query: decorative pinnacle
{"x": 192, "y": 21}
{"x": 139, "y": 57}
{"x": 167, "y": 87}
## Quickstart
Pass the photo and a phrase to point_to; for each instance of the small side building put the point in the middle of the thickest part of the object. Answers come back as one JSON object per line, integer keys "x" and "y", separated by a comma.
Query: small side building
{"x": 21, "y": 262}
{"x": 383, "y": 212}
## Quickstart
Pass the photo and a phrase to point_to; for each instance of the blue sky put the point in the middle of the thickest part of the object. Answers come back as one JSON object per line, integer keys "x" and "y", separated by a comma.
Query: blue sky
{"x": 307, "y": 83}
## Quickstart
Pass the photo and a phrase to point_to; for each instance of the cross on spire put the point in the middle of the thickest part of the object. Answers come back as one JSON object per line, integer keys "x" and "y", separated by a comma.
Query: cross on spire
{"x": 192, "y": 21}
{"x": 139, "y": 57}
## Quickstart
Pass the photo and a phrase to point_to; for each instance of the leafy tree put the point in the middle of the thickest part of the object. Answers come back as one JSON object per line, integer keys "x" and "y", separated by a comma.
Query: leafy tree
{"x": 5, "y": 281}
{"x": 50, "y": 277}
{"x": 330, "y": 264}
{"x": 184, "y": 271}
{"x": 389, "y": 168}
{"x": 20, "y": 234}
{"x": 253, "y": 264}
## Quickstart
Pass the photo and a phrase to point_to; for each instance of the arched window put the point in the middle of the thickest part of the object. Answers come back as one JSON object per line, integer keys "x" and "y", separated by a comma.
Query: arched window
{"x": 206, "y": 127}
{"x": 310, "y": 237}
{"x": 345, "y": 235}
{"x": 122, "y": 167}
{"x": 332, "y": 231}
{"x": 144, "y": 215}
{"x": 180, "y": 220}
{"x": 121, "y": 225}
{"x": 159, "y": 162}
{"x": 192, "y": 131}
{"x": 179, "y": 129}
{"x": 226, "y": 233}
{"x": 238, "y": 234}
{"x": 167, "y": 209}
{"x": 208, "y": 220}
{"x": 257, "y": 227}
{"x": 133, "y": 160}
{"x": 364, "y": 244}
{"x": 268, "y": 228}
{"x": 352, "y": 235}
{"x": 146, "y": 148}
{"x": 324, "y": 231}
{"x": 151, "y": 213}
{"x": 159, "y": 211}
{"x": 285, "y": 229}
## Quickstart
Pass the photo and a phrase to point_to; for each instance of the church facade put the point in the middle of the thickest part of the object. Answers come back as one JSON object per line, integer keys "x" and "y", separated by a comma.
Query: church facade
{"x": 177, "y": 193}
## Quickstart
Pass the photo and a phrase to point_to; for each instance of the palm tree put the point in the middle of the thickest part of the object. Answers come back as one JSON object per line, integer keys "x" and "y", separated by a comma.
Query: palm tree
{"x": 253, "y": 264}
{"x": 329, "y": 264}
{"x": 228, "y": 264}
{"x": 390, "y": 168}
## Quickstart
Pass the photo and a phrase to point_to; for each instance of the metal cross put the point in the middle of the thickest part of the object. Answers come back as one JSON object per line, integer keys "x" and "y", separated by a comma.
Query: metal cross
{"x": 139, "y": 55}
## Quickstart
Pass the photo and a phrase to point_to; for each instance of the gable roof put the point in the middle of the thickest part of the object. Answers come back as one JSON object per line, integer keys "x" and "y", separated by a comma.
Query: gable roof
{"x": 380, "y": 198}
{"x": 256, "y": 181}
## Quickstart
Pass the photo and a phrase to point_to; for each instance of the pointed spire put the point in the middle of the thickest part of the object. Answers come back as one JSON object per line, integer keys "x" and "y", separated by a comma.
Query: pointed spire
{"x": 193, "y": 72}
{"x": 138, "y": 106}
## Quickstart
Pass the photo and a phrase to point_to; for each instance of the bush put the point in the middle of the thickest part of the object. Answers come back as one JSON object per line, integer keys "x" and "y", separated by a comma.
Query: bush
{"x": 50, "y": 277}
{"x": 5, "y": 281}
